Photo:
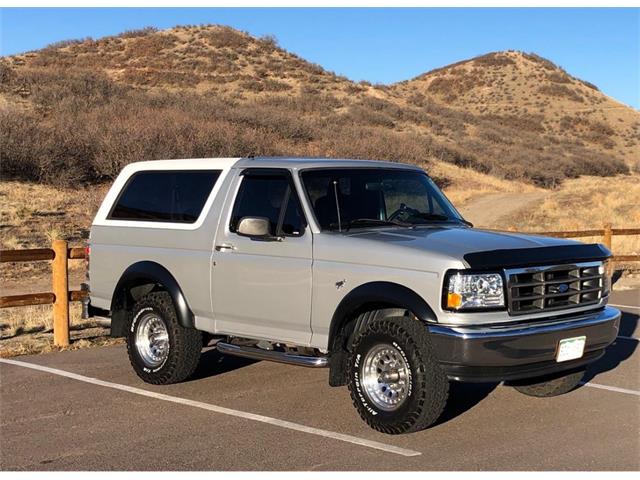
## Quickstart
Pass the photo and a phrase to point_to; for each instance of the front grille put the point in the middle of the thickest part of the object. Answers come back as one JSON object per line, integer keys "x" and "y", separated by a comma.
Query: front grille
{"x": 557, "y": 287}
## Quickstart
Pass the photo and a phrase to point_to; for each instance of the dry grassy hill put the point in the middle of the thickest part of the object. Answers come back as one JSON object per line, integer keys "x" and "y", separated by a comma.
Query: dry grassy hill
{"x": 80, "y": 110}
{"x": 521, "y": 85}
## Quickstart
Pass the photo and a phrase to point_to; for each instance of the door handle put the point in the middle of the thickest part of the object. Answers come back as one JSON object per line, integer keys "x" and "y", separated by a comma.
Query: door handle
{"x": 225, "y": 247}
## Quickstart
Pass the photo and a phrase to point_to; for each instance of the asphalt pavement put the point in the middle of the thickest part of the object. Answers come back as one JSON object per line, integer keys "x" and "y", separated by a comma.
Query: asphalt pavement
{"x": 87, "y": 410}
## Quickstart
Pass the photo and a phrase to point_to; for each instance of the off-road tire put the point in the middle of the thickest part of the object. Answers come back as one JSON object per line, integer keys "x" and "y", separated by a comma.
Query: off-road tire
{"x": 550, "y": 387}
{"x": 185, "y": 344}
{"x": 428, "y": 384}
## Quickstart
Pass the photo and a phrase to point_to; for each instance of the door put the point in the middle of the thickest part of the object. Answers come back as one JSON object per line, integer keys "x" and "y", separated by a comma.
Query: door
{"x": 262, "y": 287}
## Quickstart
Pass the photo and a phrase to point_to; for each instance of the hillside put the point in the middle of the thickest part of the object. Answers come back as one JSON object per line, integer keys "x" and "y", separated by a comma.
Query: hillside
{"x": 78, "y": 111}
{"x": 521, "y": 85}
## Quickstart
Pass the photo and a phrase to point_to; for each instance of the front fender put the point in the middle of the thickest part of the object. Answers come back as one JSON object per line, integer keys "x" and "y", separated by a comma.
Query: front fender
{"x": 383, "y": 293}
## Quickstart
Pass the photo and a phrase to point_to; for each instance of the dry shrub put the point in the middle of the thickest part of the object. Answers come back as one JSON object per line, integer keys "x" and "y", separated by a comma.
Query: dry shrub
{"x": 269, "y": 43}
{"x": 547, "y": 64}
{"x": 560, "y": 91}
{"x": 558, "y": 77}
{"x": 150, "y": 45}
{"x": 493, "y": 60}
{"x": 588, "y": 85}
{"x": 67, "y": 43}
{"x": 221, "y": 37}
{"x": 140, "y": 32}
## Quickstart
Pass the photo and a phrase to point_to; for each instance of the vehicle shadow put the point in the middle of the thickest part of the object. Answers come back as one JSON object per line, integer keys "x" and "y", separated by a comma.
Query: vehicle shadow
{"x": 463, "y": 397}
{"x": 629, "y": 324}
{"x": 212, "y": 363}
{"x": 618, "y": 351}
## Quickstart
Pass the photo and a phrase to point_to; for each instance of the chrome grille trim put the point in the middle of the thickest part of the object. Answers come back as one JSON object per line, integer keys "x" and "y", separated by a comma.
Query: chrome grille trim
{"x": 553, "y": 287}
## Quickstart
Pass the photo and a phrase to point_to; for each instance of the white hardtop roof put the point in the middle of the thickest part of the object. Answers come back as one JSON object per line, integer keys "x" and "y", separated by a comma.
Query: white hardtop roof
{"x": 265, "y": 162}
{"x": 184, "y": 164}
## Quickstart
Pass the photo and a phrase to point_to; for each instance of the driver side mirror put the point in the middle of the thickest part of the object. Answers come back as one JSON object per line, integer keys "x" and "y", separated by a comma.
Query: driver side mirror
{"x": 257, "y": 228}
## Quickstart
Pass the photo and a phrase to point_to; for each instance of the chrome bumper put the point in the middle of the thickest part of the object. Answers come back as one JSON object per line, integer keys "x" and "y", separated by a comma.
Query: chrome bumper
{"x": 511, "y": 352}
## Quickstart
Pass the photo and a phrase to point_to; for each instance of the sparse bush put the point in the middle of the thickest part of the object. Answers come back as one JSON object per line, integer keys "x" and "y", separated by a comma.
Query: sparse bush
{"x": 547, "y": 64}
{"x": 7, "y": 74}
{"x": 589, "y": 85}
{"x": 270, "y": 42}
{"x": 67, "y": 43}
{"x": 558, "y": 77}
{"x": 222, "y": 37}
{"x": 560, "y": 91}
{"x": 140, "y": 32}
{"x": 493, "y": 60}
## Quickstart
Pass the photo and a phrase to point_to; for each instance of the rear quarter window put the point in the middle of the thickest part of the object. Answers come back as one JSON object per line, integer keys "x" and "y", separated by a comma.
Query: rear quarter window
{"x": 168, "y": 196}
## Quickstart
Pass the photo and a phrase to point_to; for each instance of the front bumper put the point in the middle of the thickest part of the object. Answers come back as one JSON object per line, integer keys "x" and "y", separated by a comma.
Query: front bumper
{"x": 503, "y": 353}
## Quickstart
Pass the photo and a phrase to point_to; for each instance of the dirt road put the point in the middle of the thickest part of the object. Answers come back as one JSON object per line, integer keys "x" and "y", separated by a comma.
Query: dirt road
{"x": 489, "y": 210}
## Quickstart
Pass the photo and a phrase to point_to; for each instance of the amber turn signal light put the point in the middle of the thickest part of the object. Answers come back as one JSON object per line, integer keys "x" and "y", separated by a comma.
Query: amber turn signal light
{"x": 454, "y": 300}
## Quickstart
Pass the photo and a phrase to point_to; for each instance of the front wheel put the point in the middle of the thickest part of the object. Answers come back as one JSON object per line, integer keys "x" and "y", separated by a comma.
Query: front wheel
{"x": 550, "y": 387}
{"x": 161, "y": 350}
{"x": 395, "y": 381}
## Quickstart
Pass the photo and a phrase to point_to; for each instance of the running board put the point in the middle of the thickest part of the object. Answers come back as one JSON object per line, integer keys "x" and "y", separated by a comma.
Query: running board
{"x": 272, "y": 355}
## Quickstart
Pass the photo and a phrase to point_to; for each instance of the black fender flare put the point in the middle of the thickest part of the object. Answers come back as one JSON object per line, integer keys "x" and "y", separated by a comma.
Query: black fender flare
{"x": 390, "y": 297}
{"x": 147, "y": 272}
{"x": 385, "y": 293}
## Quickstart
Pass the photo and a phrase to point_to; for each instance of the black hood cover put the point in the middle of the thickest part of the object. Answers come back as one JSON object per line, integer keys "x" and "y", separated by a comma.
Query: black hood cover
{"x": 528, "y": 257}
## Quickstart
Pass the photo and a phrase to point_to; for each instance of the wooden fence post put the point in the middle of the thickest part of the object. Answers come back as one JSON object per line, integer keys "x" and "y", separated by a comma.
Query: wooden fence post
{"x": 61, "y": 291}
{"x": 606, "y": 237}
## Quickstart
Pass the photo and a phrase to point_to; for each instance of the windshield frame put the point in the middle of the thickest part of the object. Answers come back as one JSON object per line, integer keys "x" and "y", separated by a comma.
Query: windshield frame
{"x": 458, "y": 219}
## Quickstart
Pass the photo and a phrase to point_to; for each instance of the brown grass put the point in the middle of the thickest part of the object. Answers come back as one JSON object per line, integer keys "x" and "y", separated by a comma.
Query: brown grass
{"x": 466, "y": 185}
{"x": 587, "y": 203}
{"x": 28, "y": 330}
{"x": 37, "y": 318}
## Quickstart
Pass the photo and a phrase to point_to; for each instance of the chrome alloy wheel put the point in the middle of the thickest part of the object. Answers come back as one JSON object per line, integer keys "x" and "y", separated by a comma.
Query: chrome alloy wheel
{"x": 152, "y": 340}
{"x": 385, "y": 377}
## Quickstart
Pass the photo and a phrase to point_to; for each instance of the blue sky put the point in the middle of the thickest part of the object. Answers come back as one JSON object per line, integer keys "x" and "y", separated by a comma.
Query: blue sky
{"x": 381, "y": 45}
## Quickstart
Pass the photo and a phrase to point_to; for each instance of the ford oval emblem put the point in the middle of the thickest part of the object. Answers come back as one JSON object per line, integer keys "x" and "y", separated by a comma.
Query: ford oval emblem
{"x": 561, "y": 288}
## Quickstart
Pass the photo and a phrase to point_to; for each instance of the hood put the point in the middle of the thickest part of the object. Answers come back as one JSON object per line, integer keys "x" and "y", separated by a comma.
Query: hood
{"x": 484, "y": 248}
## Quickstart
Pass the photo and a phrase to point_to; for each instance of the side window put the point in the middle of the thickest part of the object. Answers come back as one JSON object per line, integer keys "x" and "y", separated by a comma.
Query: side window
{"x": 272, "y": 197}
{"x": 167, "y": 196}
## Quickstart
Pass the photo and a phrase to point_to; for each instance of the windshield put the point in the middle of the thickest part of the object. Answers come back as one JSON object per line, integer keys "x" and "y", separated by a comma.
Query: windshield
{"x": 360, "y": 197}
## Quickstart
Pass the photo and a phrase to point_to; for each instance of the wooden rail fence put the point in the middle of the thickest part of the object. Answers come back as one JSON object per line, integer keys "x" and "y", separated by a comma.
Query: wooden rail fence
{"x": 606, "y": 232}
{"x": 60, "y": 254}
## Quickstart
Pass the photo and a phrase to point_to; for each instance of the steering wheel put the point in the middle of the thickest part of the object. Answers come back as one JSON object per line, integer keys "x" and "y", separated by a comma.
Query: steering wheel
{"x": 403, "y": 209}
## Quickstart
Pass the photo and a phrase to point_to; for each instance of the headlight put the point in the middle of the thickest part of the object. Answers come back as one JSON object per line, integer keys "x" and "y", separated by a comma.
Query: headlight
{"x": 474, "y": 290}
{"x": 605, "y": 270}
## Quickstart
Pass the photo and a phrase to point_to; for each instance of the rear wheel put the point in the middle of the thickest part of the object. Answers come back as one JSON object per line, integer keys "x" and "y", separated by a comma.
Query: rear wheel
{"x": 161, "y": 350}
{"x": 395, "y": 381}
{"x": 550, "y": 387}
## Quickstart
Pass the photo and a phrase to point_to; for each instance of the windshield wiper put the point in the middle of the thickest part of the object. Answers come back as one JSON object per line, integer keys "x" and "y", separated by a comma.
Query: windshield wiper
{"x": 431, "y": 216}
{"x": 370, "y": 221}
{"x": 439, "y": 217}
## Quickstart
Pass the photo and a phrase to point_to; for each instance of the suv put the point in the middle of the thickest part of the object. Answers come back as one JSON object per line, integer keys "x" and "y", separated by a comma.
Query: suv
{"x": 363, "y": 267}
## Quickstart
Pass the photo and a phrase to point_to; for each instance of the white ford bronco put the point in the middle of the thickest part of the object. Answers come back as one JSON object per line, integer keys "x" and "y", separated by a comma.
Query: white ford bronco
{"x": 363, "y": 267}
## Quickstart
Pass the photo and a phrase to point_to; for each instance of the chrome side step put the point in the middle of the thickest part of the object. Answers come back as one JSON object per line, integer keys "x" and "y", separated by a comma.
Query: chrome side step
{"x": 273, "y": 356}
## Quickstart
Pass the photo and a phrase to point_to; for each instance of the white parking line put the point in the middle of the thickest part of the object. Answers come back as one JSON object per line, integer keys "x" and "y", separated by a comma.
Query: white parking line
{"x": 612, "y": 389}
{"x": 628, "y": 338}
{"x": 624, "y": 306}
{"x": 225, "y": 411}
